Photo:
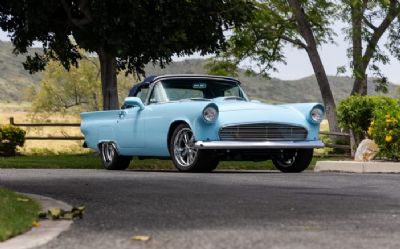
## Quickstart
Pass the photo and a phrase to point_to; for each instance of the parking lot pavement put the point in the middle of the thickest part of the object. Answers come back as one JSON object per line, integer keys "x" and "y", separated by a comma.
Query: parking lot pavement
{"x": 221, "y": 210}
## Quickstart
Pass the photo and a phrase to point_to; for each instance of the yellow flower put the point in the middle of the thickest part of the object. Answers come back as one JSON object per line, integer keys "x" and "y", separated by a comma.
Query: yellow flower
{"x": 370, "y": 130}
{"x": 388, "y": 138}
{"x": 387, "y": 116}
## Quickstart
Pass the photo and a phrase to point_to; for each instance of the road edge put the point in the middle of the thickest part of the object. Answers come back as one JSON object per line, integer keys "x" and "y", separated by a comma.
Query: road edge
{"x": 47, "y": 230}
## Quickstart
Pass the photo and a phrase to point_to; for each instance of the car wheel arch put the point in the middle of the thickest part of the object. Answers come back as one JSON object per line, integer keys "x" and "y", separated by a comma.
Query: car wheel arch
{"x": 172, "y": 127}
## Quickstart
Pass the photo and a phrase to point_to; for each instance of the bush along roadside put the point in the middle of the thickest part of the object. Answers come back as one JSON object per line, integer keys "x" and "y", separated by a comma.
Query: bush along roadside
{"x": 11, "y": 137}
{"x": 376, "y": 117}
{"x": 385, "y": 131}
{"x": 356, "y": 113}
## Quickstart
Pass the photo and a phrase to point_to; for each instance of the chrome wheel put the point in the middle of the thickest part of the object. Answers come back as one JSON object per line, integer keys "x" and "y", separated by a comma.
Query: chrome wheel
{"x": 287, "y": 162}
{"x": 108, "y": 153}
{"x": 294, "y": 161}
{"x": 184, "y": 151}
{"x": 110, "y": 157}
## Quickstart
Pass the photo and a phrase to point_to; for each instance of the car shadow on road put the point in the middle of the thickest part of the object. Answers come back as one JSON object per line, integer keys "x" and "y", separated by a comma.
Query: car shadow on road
{"x": 222, "y": 171}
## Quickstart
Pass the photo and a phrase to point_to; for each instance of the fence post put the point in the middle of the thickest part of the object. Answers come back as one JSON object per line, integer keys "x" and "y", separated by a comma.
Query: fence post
{"x": 12, "y": 121}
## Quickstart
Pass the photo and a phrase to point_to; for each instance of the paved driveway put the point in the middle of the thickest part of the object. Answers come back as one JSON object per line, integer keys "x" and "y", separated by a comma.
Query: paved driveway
{"x": 222, "y": 209}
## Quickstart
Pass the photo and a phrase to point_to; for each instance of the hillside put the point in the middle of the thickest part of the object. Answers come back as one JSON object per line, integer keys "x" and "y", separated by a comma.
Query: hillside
{"x": 14, "y": 80}
{"x": 274, "y": 90}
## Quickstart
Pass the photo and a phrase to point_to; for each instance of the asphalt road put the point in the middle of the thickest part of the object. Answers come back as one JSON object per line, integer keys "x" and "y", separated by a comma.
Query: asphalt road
{"x": 222, "y": 209}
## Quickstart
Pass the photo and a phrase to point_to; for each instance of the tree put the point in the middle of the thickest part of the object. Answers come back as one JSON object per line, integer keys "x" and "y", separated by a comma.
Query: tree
{"x": 76, "y": 90}
{"x": 222, "y": 67}
{"x": 126, "y": 35}
{"x": 275, "y": 23}
{"x": 369, "y": 20}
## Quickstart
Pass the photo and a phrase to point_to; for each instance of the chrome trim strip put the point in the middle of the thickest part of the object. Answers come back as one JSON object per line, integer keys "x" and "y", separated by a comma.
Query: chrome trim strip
{"x": 259, "y": 145}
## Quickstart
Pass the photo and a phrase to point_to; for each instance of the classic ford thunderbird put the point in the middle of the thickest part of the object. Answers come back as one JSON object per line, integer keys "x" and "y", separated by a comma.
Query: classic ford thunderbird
{"x": 199, "y": 120}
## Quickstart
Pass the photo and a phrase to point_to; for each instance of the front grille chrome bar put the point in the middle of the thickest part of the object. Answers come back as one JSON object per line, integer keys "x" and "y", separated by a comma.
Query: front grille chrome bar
{"x": 259, "y": 145}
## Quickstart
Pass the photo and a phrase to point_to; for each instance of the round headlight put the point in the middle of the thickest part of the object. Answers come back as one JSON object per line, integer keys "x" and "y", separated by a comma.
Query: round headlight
{"x": 210, "y": 114}
{"x": 317, "y": 114}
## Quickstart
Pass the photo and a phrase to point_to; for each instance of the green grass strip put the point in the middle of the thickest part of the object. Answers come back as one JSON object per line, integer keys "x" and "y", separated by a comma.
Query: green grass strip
{"x": 17, "y": 212}
{"x": 85, "y": 161}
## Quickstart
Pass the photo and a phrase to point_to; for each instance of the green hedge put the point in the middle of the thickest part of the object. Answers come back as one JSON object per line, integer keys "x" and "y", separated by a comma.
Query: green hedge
{"x": 357, "y": 112}
{"x": 385, "y": 131}
{"x": 376, "y": 117}
{"x": 10, "y": 137}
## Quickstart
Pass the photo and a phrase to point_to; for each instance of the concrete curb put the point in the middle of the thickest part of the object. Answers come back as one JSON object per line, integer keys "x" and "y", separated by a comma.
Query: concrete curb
{"x": 357, "y": 167}
{"x": 48, "y": 229}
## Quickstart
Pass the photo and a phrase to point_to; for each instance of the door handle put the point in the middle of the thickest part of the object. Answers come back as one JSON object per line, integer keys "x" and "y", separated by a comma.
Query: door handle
{"x": 122, "y": 114}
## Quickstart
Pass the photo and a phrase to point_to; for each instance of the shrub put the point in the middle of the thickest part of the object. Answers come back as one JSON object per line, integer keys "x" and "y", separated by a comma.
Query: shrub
{"x": 385, "y": 131}
{"x": 357, "y": 112}
{"x": 10, "y": 137}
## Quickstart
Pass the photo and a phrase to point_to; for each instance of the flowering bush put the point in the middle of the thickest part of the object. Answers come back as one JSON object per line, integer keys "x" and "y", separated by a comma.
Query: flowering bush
{"x": 10, "y": 137}
{"x": 357, "y": 112}
{"x": 385, "y": 131}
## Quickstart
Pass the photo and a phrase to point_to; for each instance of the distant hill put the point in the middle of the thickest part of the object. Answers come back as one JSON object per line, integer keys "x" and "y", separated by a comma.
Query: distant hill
{"x": 14, "y": 80}
{"x": 13, "y": 77}
{"x": 273, "y": 90}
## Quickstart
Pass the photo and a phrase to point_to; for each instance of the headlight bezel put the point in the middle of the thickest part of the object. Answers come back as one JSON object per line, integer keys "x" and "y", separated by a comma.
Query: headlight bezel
{"x": 209, "y": 111}
{"x": 317, "y": 114}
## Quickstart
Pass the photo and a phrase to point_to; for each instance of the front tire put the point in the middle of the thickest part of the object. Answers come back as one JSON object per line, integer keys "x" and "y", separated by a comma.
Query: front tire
{"x": 185, "y": 157}
{"x": 110, "y": 158}
{"x": 295, "y": 162}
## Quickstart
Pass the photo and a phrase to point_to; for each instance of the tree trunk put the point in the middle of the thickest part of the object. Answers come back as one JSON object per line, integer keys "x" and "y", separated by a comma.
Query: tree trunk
{"x": 361, "y": 61}
{"x": 315, "y": 59}
{"x": 325, "y": 89}
{"x": 360, "y": 81}
{"x": 108, "y": 80}
{"x": 360, "y": 86}
{"x": 353, "y": 144}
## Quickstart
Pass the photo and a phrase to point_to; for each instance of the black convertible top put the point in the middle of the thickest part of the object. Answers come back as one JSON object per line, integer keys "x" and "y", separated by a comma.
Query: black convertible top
{"x": 148, "y": 80}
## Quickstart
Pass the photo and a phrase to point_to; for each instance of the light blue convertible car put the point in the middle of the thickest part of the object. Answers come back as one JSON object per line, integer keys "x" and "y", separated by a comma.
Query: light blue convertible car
{"x": 199, "y": 120}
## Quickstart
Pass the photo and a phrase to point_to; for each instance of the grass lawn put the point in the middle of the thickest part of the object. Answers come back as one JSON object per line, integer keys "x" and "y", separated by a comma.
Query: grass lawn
{"x": 17, "y": 213}
{"x": 88, "y": 161}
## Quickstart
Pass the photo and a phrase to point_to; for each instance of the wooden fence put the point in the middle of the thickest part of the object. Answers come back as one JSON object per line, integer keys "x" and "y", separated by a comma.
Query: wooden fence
{"x": 12, "y": 122}
{"x": 335, "y": 134}
{"x": 346, "y": 147}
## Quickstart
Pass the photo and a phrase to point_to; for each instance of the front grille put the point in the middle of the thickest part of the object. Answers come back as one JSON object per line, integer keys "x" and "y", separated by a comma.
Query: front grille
{"x": 262, "y": 132}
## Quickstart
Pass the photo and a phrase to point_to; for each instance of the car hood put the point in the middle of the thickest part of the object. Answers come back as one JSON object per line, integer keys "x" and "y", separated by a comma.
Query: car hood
{"x": 225, "y": 106}
{"x": 235, "y": 112}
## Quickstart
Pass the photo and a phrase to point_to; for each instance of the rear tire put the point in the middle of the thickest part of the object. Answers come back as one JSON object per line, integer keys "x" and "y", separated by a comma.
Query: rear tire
{"x": 297, "y": 162}
{"x": 110, "y": 158}
{"x": 185, "y": 157}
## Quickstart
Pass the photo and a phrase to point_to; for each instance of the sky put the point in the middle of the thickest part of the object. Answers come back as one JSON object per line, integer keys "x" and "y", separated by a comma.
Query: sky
{"x": 298, "y": 64}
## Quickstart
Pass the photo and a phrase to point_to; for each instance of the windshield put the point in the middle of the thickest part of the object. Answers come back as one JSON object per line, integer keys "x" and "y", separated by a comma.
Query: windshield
{"x": 196, "y": 89}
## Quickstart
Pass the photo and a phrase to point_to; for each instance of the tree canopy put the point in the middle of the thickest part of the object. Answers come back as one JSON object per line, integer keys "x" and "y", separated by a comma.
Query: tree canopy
{"x": 76, "y": 90}
{"x": 276, "y": 23}
{"x": 368, "y": 21}
{"x": 125, "y": 34}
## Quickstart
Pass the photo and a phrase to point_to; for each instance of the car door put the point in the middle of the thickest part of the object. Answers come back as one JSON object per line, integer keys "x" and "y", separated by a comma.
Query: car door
{"x": 130, "y": 128}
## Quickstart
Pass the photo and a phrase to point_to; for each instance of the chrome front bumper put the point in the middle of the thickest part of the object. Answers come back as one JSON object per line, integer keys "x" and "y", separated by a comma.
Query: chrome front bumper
{"x": 258, "y": 145}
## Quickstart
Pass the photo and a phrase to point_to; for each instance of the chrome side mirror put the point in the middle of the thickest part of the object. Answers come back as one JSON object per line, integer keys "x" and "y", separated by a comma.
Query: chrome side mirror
{"x": 133, "y": 101}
